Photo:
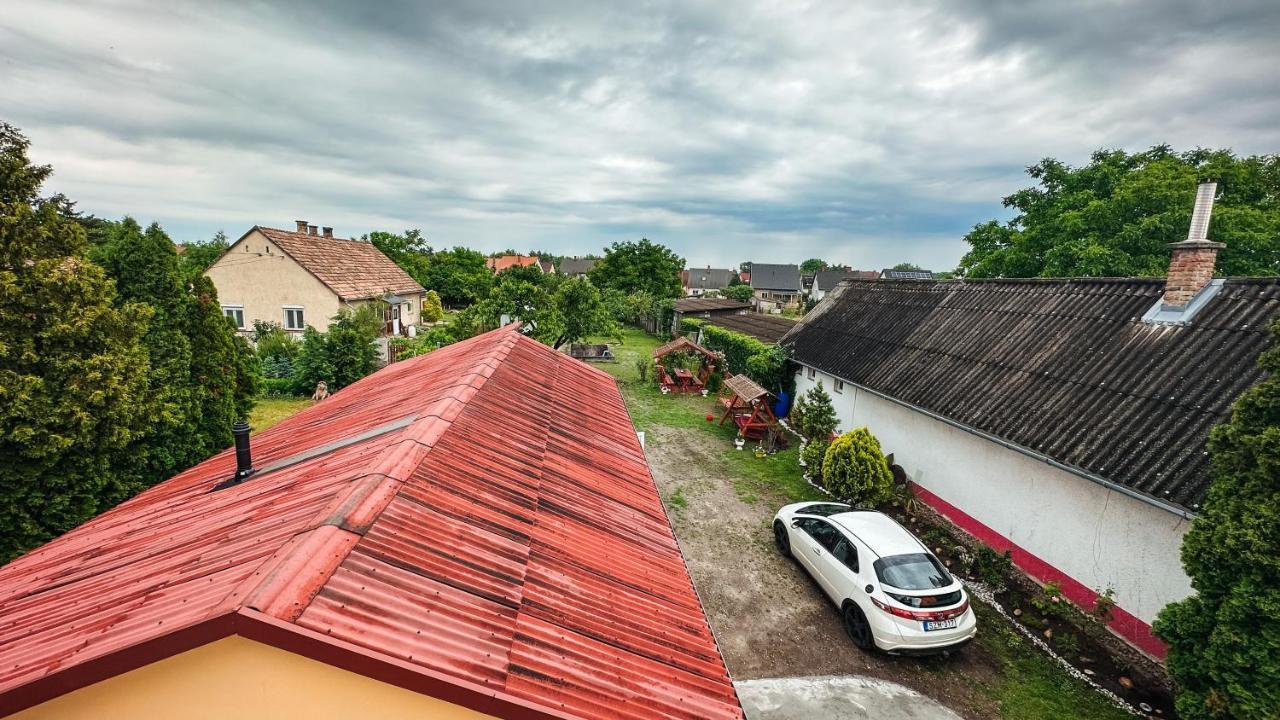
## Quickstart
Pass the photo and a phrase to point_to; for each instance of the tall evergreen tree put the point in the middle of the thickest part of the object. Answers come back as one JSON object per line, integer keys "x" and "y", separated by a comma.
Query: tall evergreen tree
{"x": 144, "y": 266}
{"x": 73, "y": 369}
{"x": 1224, "y": 641}
{"x": 201, "y": 377}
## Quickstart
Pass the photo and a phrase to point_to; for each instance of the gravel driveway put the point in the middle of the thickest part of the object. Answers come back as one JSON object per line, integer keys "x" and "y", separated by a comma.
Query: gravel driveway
{"x": 770, "y": 618}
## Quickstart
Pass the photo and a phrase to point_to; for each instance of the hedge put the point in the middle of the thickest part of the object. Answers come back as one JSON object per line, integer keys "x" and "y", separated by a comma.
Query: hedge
{"x": 764, "y": 363}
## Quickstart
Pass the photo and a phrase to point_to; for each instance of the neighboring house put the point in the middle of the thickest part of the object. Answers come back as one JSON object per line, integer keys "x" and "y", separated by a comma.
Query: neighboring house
{"x": 891, "y": 274}
{"x": 1062, "y": 419}
{"x": 472, "y": 533}
{"x": 706, "y": 308}
{"x": 502, "y": 262}
{"x": 768, "y": 329}
{"x": 577, "y": 267}
{"x": 776, "y": 287}
{"x": 303, "y": 277}
{"x": 547, "y": 266}
{"x": 826, "y": 280}
{"x": 697, "y": 281}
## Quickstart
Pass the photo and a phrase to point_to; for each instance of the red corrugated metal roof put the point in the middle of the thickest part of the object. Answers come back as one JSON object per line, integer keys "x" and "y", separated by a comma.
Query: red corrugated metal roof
{"x": 506, "y": 549}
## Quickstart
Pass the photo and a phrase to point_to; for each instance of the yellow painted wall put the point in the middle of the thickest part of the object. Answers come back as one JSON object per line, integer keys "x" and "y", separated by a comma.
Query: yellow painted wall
{"x": 257, "y": 274}
{"x": 239, "y": 679}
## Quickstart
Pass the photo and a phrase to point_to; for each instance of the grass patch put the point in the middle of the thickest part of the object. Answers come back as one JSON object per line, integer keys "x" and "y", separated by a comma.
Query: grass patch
{"x": 677, "y": 500}
{"x": 268, "y": 411}
{"x": 1032, "y": 685}
{"x": 775, "y": 477}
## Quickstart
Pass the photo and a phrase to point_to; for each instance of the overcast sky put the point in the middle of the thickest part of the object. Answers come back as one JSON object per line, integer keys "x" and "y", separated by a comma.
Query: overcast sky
{"x": 867, "y": 133}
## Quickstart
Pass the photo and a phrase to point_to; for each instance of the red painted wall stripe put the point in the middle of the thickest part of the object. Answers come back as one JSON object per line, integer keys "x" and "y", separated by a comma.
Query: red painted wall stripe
{"x": 1125, "y": 624}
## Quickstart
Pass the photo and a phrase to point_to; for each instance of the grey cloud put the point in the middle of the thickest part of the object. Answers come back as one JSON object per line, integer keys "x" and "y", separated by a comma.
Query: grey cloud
{"x": 871, "y": 133}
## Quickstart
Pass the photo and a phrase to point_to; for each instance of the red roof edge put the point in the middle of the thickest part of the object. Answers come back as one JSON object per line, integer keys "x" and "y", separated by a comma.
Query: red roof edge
{"x": 256, "y": 626}
{"x": 74, "y": 677}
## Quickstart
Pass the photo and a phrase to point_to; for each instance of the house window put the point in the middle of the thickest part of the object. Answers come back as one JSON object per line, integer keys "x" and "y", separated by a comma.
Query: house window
{"x": 236, "y": 313}
{"x": 812, "y": 373}
{"x": 839, "y": 386}
{"x": 293, "y": 317}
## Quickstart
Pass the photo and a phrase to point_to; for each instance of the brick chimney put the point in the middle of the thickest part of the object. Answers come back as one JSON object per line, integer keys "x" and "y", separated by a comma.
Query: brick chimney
{"x": 302, "y": 225}
{"x": 1191, "y": 267}
{"x": 328, "y": 232}
{"x": 313, "y": 230}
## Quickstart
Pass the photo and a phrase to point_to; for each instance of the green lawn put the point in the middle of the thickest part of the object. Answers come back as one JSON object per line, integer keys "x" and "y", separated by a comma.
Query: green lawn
{"x": 268, "y": 411}
{"x": 775, "y": 475}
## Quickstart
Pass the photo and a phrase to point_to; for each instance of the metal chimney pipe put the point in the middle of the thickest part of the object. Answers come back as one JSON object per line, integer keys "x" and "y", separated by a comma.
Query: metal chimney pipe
{"x": 244, "y": 456}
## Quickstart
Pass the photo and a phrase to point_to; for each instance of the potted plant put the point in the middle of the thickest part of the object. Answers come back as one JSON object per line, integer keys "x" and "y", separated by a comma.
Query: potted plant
{"x": 759, "y": 451}
{"x": 704, "y": 392}
{"x": 739, "y": 442}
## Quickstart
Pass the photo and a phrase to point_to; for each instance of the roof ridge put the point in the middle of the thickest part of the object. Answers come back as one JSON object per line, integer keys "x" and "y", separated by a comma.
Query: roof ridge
{"x": 286, "y": 581}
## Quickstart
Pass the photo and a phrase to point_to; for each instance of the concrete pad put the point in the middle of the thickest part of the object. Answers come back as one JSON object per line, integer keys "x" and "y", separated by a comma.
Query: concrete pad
{"x": 836, "y": 698}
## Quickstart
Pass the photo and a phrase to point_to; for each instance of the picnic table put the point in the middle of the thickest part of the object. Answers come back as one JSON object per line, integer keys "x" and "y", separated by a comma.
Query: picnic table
{"x": 686, "y": 381}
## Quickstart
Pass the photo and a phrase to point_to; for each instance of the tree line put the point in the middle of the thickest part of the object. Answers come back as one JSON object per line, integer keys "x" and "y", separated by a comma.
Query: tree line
{"x": 117, "y": 367}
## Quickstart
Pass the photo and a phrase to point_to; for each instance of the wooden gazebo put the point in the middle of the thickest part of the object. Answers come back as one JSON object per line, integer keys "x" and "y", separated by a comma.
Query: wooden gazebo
{"x": 747, "y": 404}
{"x": 679, "y": 380}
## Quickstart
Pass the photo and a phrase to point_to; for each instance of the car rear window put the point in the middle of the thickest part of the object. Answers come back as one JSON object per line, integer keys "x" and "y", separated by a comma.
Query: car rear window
{"x": 917, "y": 571}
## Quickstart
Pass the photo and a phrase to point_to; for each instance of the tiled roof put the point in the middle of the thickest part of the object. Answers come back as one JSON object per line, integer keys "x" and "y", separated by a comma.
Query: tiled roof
{"x": 483, "y": 525}
{"x": 775, "y": 277}
{"x": 700, "y": 304}
{"x": 353, "y": 269}
{"x": 577, "y": 266}
{"x": 827, "y": 279}
{"x": 765, "y": 328}
{"x": 502, "y": 262}
{"x": 708, "y": 278}
{"x": 1064, "y": 368}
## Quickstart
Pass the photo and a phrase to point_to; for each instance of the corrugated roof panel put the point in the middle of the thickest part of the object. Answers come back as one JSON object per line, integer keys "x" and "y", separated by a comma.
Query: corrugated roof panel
{"x": 514, "y": 493}
{"x": 1064, "y": 367}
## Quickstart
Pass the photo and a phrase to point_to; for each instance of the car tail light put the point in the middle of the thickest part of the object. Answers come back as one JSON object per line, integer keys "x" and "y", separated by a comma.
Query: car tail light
{"x": 923, "y": 614}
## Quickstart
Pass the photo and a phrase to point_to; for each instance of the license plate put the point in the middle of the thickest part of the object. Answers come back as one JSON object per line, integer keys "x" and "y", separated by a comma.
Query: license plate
{"x": 951, "y": 624}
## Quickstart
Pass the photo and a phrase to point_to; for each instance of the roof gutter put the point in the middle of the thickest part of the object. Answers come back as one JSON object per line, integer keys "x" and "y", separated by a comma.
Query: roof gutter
{"x": 1078, "y": 472}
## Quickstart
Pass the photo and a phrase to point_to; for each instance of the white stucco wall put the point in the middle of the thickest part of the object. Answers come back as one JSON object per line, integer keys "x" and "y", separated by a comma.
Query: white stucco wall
{"x": 1098, "y": 536}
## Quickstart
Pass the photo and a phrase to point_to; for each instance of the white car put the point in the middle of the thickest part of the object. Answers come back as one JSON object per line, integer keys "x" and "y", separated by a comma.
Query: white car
{"x": 892, "y": 592}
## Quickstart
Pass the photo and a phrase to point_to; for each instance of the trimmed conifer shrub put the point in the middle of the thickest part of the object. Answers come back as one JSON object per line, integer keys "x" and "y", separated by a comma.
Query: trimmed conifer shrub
{"x": 1224, "y": 641}
{"x": 855, "y": 470}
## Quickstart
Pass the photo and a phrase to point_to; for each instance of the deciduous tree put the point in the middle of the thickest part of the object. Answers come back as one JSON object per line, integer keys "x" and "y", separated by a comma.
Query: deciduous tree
{"x": 643, "y": 266}
{"x": 1117, "y": 215}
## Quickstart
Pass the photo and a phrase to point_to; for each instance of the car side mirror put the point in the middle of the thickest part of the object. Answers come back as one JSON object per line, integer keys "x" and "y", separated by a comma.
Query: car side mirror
{"x": 795, "y": 524}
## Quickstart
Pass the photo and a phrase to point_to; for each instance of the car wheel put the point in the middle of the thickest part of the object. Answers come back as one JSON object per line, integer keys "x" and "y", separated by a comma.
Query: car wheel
{"x": 782, "y": 539}
{"x": 855, "y": 623}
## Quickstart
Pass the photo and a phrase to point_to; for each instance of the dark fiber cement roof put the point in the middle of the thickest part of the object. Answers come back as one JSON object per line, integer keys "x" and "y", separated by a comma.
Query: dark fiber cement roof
{"x": 765, "y": 328}
{"x": 1065, "y": 368}
{"x": 701, "y": 304}
{"x": 775, "y": 277}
